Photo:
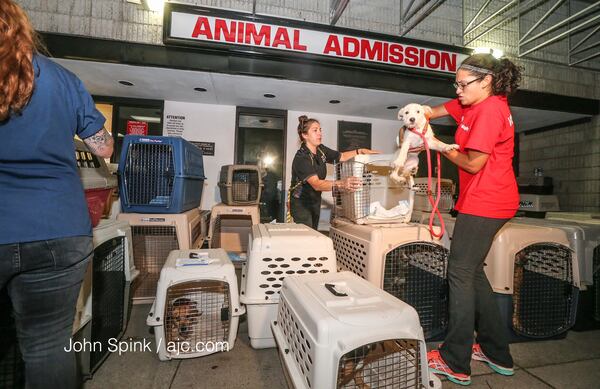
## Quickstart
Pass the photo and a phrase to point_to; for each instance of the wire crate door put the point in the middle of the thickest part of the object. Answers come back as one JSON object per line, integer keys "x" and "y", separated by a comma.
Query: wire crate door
{"x": 151, "y": 247}
{"x": 108, "y": 296}
{"x": 197, "y": 312}
{"x": 387, "y": 364}
{"x": 149, "y": 174}
{"x": 545, "y": 299}
{"x": 416, "y": 274}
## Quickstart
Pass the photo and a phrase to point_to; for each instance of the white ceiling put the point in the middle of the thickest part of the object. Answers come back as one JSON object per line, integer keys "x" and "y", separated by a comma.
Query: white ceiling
{"x": 178, "y": 85}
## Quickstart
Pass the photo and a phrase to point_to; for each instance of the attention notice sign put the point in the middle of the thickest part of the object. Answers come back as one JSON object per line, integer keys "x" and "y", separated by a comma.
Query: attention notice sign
{"x": 211, "y": 28}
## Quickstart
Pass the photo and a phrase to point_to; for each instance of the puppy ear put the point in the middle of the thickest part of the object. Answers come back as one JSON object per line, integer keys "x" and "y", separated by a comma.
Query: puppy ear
{"x": 401, "y": 135}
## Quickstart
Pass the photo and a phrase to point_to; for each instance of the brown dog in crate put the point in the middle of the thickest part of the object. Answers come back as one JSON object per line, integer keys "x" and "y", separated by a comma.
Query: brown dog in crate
{"x": 182, "y": 317}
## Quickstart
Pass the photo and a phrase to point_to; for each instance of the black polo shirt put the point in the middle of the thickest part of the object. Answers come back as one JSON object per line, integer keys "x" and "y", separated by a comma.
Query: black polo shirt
{"x": 306, "y": 164}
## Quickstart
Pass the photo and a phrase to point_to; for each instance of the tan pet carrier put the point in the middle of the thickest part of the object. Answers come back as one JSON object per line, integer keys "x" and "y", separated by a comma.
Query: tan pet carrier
{"x": 230, "y": 226}
{"x": 240, "y": 184}
{"x": 401, "y": 259}
{"x": 535, "y": 274}
{"x": 422, "y": 200}
{"x": 154, "y": 237}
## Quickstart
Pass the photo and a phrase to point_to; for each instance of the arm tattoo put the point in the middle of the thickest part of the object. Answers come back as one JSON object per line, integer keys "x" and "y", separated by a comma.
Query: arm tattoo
{"x": 99, "y": 142}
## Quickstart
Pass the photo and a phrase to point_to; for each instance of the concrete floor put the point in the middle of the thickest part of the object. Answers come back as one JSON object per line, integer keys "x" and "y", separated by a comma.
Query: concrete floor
{"x": 573, "y": 362}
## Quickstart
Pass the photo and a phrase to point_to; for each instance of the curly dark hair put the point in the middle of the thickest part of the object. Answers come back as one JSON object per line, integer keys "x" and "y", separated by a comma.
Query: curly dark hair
{"x": 506, "y": 76}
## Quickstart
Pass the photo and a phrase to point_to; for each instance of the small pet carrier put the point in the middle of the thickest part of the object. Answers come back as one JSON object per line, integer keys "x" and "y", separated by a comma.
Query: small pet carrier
{"x": 338, "y": 331}
{"x": 240, "y": 184}
{"x": 196, "y": 311}
{"x": 12, "y": 367}
{"x": 98, "y": 183}
{"x": 379, "y": 200}
{"x": 154, "y": 237}
{"x": 404, "y": 261}
{"x": 422, "y": 200}
{"x": 230, "y": 226}
{"x": 276, "y": 251}
{"x": 106, "y": 293}
{"x": 535, "y": 275}
{"x": 159, "y": 174}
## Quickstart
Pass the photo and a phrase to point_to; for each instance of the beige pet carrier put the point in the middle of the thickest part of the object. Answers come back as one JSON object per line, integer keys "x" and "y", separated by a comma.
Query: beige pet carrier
{"x": 535, "y": 271}
{"x": 379, "y": 200}
{"x": 422, "y": 200}
{"x": 197, "y": 310}
{"x": 154, "y": 237}
{"x": 422, "y": 217}
{"x": 338, "y": 331}
{"x": 230, "y": 226}
{"x": 401, "y": 259}
{"x": 240, "y": 184}
{"x": 277, "y": 251}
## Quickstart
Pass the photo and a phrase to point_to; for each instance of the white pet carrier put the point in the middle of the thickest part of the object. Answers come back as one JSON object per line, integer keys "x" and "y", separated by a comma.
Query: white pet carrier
{"x": 230, "y": 226}
{"x": 240, "y": 184}
{"x": 105, "y": 293}
{"x": 338, "y": 331}
{"x": 535, "y": 274}
{"x": 154, "y": 236}
{"x": 275, "y": 252}
{"x": 401, "y": 259}
{"x": 574, "y": 216}
{"x": 422, "y": 217}
{"x": 380, "y": 199}
{"x": 197, "y": 310}
{"x": 447, "y": 189}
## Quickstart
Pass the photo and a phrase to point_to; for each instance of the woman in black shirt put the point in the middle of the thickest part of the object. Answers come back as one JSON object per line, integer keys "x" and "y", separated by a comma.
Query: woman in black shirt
{"x": 309, "y": 170}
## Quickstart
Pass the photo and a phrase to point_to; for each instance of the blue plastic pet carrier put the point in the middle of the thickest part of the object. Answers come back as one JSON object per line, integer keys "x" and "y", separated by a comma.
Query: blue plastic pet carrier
{"x": 159, "y": 174}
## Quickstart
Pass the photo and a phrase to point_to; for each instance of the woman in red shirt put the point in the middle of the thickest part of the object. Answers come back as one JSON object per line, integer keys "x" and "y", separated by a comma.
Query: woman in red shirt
{"x": 488, "y": 197}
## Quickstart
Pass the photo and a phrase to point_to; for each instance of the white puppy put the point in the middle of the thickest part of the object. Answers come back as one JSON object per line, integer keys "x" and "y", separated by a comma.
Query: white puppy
{"x": 413, "y": 117}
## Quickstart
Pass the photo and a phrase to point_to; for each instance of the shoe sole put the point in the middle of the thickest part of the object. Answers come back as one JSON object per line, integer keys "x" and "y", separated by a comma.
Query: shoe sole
{"x": 494, "y": 367}
{"x": 450, "y": 377}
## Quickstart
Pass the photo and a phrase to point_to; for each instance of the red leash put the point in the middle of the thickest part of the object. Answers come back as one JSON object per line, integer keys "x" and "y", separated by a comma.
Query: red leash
{"x": 434, "y": 204}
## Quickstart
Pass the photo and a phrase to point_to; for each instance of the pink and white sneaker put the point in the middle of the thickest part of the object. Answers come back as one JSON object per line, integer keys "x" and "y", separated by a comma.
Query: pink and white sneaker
{"x": 478, "y": 355}
{"x": 438, "y": 366}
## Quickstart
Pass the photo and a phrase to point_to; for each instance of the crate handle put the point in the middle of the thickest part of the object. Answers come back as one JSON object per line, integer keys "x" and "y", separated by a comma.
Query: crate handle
{"x": 331, "y": 288}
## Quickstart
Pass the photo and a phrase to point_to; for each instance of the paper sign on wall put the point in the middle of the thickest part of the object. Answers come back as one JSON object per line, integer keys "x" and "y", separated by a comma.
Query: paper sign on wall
{"x": 136, "y": 128}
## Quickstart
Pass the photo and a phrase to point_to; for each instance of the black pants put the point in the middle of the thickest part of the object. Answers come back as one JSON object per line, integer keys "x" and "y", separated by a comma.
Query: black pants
{"x": 43, "y": 279}
{"x": 306, "y": 212}
{"x": 472, "y": 303}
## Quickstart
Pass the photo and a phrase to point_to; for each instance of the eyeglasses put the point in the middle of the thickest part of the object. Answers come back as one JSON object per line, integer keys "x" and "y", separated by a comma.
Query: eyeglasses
{"x": 463, "y": 85}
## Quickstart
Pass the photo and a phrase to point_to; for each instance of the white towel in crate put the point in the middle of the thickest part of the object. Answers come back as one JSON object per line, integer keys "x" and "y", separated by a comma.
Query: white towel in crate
{"x": 196, "y": 311}
{"x": 276, "y": 251}
{"x": 337, "y": 330}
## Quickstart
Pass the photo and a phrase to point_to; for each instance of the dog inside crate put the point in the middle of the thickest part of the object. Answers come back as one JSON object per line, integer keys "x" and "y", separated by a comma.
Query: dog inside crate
{"x": 197, "y": 311}
{"x": 389, "y": 363}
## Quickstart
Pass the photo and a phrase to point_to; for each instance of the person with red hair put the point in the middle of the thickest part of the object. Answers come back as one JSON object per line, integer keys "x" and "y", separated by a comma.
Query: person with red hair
{"x": 45, "y": 229}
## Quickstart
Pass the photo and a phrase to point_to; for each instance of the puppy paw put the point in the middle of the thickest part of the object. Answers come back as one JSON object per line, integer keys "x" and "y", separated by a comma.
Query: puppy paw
{"x": 451, "y": 147}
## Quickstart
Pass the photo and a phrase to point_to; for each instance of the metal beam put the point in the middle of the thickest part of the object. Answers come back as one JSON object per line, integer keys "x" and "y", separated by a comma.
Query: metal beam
{"x": 425, "y": 13}
{"x": 513, "y": 2}
{"x": 585, "y": 59}
{"x": 552, "y": 9}
{"x": 585, "y": 48}
{"x": 561, "y": 35}
{"x": 253, "y": 7}
{"x": 588, "y": 36}
{"x": 561, "y": 23}
{"x": 476, "y": 16}
{"x": 409, "y": 15}
{"x": 336, "y": 9}
{"x": 410, "y": 4}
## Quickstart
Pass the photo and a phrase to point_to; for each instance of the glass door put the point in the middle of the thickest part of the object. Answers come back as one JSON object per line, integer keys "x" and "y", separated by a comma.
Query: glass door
{"x": 260, "y": 140}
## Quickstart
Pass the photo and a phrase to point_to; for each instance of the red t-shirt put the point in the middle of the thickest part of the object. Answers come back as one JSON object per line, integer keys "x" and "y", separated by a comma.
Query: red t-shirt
{"x": 486, "y": 127}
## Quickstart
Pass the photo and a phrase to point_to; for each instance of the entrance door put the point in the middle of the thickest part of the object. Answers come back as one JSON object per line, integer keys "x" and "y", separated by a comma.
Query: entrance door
{"x": 260, "y": 140}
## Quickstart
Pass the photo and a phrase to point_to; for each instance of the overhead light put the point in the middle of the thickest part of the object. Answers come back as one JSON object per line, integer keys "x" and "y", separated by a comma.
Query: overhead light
{"x": 199, "y": 89}
{"x": 269, "y": 95}
{"x": 497, "y": 53}
{"x": 155, "y": 5}
{"x": 268, "y": 160}
{"x": 334, "y": 101}
{"x": 126, "y": 83}
{"x": 149, "y": 119}
{"x": 392, "y": 107}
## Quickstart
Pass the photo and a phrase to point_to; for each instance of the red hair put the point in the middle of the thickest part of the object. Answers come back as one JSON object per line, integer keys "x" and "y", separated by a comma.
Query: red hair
{"x": 18, "y": 43}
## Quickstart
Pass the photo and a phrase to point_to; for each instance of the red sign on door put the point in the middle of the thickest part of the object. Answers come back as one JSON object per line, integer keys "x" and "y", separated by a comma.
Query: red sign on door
{"x": 137, "y": 128}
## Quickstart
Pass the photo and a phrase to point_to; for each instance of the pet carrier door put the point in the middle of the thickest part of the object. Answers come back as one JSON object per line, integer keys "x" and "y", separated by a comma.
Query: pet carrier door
{"x": 197, "y": 312}
{"x": 545, "y": 299}
{"x": 416, "y": 274}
